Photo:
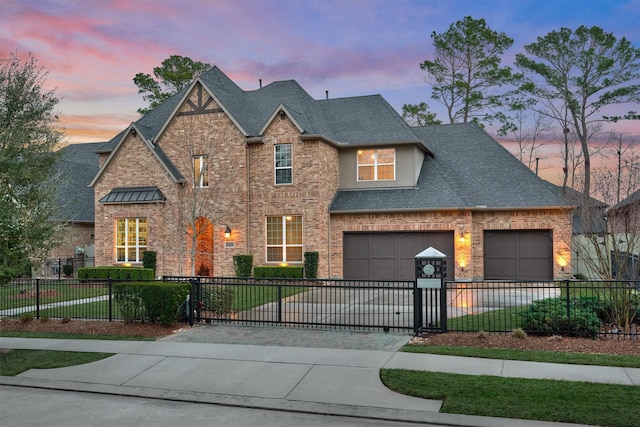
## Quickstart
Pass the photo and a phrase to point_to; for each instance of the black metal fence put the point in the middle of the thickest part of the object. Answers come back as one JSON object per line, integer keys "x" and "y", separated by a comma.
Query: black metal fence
{"x": 58, "y": 299}
{"x": 59, "y": 268}
{"x": 609, "y": 309}
{"x": 325, "y": 303}
{"x": 584, "y": 308}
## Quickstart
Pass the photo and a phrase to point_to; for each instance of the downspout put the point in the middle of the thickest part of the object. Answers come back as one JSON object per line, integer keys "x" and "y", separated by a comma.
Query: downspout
{"x": 248, "y": 212}
{"x": 180, "y": 260}
{"x": 329, "y": 246}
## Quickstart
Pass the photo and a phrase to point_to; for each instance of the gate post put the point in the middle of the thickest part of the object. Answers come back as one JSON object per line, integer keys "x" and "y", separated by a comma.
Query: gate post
{"x": 431, "y": 272}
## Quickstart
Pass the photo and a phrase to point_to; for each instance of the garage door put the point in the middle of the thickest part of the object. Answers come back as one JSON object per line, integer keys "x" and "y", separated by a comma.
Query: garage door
{"x": 390, "y": 256}
{"x": 518, "y": 255}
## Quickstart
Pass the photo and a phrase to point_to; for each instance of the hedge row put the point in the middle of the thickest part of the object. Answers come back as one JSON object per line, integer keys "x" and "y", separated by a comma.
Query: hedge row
{"x": 116, "y": 273}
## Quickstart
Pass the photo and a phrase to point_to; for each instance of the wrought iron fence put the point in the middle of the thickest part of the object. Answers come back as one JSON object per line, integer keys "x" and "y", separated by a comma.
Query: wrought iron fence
{"x": 569, "y": 307}
{"x": 609, "y": 309}
{"x": 58, "y": 299}
{"x": 59, "y": 268}
{"x": 326, "y": 303}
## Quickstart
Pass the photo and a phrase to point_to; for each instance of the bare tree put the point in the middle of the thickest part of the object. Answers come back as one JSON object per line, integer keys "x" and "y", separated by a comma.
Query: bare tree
{"x": 529, "y": 140}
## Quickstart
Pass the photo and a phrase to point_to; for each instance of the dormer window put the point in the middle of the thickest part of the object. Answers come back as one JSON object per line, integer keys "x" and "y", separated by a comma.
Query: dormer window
{"x": 377, "y": 164}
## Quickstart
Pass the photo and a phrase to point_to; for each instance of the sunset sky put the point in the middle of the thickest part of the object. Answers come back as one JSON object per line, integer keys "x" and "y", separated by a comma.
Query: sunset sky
{"x": 92, "y": 49}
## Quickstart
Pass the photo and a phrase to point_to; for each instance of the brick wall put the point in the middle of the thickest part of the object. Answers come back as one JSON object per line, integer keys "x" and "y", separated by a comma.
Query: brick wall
{"x": 469, "y": 261}
{"x": 315, "y": 181}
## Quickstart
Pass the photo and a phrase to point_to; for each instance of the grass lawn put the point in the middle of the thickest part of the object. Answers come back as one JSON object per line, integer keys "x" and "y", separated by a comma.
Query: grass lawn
{"x": 13, "y": 362}
{"x": 528, "y": 355}
{"x": 543, "y": 400}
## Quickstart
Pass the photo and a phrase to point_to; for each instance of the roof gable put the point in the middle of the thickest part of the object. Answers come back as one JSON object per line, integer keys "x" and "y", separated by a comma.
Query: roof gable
{"x": 134, "y": 130}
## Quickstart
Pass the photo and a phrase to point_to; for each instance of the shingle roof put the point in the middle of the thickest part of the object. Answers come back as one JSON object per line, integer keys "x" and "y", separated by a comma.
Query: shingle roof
{"x": 628, "y": 201}
{"x": 78, "y": 164}
{"x": 338, "y": 119}
{"x": 469, "y": 169}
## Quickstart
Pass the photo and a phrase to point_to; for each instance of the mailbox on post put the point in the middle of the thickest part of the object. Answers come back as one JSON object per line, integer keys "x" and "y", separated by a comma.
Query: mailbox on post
{"x": 431, "y": 273}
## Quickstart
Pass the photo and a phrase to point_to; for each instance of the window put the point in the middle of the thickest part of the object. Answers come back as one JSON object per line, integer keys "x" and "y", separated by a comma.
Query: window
{"x": 284, "y": 238}
{"x": 200, "y": 171}
{"x": 131, "y": 239}
{"x": 283, "y": 162}
{"x": 377, "y": 165}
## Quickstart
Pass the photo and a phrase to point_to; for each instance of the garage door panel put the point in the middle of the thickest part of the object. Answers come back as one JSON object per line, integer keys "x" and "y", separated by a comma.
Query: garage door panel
{"x": 503, "y": 269}
{"x": 390, "y": 255}
{"x": 518, "y": 255}
{"x": 531, "y": 268}
{"x": 382, "y": 269}
{"x": 533, "y": 245}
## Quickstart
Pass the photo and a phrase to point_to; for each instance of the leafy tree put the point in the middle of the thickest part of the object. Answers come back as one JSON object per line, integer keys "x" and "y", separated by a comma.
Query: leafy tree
{"x": 27, "y": 164}
{"x": 581, "y": 71}
{"x": 175, "y": 73}
{"x": 466, "y": 69}
{"x": 419, "y": 115}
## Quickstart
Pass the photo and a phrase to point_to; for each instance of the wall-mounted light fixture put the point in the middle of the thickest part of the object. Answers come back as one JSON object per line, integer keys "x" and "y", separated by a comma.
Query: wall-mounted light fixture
{"x": 461, "y": 237}
{"x": 134, "y": 132}
{"x": 227, "y": 232}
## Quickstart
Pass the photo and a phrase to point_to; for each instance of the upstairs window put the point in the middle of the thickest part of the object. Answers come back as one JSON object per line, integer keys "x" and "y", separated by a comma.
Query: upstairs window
{"x": 131, "y": 239}
{"x": 283, "y": 163}
{"x": 200, "y": 171}
{"x": 377, "y": 165}
{"x": 284, "y": 238}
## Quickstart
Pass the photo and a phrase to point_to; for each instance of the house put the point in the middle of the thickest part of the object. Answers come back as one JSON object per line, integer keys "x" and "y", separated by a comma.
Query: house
{"x": 217, "y": 171}
{"x": 76, "y": 167}
{"x": 624, "y": 226}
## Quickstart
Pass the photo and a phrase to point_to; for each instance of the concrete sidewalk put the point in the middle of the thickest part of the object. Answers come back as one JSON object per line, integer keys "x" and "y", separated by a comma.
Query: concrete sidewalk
{"x": 341, "y": 382}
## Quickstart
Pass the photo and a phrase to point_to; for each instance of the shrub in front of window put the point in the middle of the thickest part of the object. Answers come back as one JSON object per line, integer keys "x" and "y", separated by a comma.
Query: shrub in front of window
{"x": 149, "y": 260}
{"x": 277, "y": 272}
{"x": 311, "y": 264}
{"x": 243, "y": 264}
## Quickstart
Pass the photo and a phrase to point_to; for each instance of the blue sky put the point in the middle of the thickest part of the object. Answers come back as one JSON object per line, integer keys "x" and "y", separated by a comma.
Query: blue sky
{"x": 93, "y": 48}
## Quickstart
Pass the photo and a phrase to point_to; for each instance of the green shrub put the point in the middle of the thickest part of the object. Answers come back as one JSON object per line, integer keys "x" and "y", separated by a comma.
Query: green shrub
{"x": 278, "y": 272}
{"x": 243, "y": 264}
{"x": 67, "y": 269}
{"x": 311, "y": 264}
{"x": 217, "y": 298}
{"x": 149, "y": 260}
{"x": 549, "y": 316}
{"x": 116, "y": 273}
{"x": 129, "y": 302}
{"x": 152, "y": 300}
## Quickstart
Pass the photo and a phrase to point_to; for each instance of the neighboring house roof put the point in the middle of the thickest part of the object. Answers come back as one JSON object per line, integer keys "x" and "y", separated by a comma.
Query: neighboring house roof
{"x": 78, "y": 164}
{"x": 469, "y": 169}
{"x": 632, "y": 199}
{"x": 589, "y": 221}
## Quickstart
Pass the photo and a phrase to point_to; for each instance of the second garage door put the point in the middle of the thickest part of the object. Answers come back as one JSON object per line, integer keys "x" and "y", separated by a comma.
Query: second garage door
{"x": 391, "y": 255}
{"x": 518, "y": 255}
